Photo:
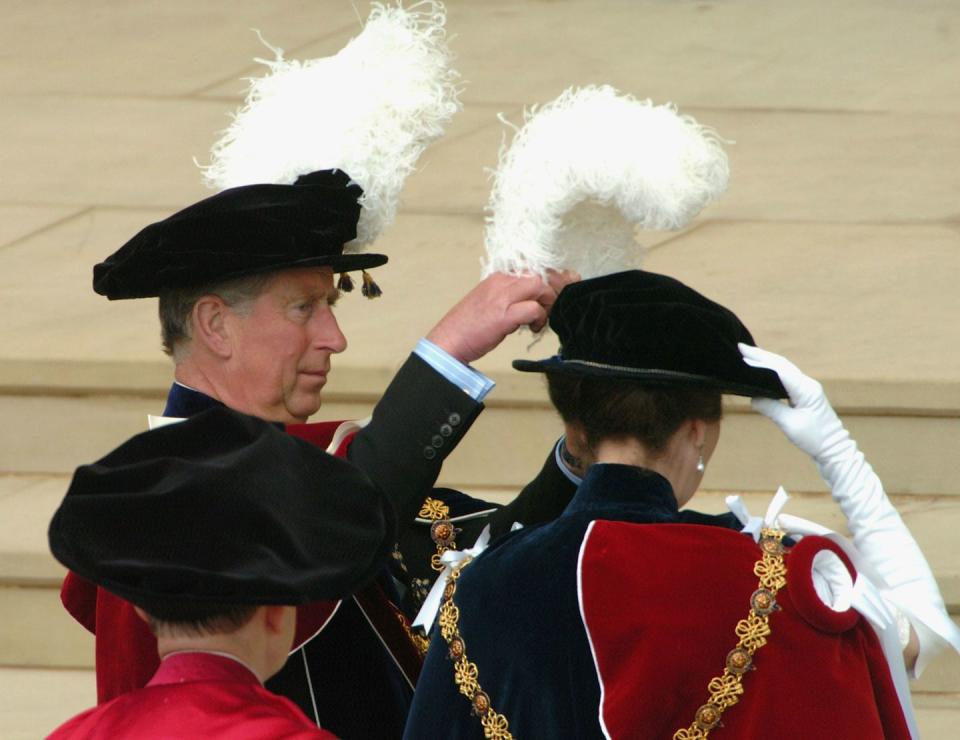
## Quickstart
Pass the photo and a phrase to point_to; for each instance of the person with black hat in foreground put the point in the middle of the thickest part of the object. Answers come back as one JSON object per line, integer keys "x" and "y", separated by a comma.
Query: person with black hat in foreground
{"x": 215, "y": 529}
{"x": 245, "y": 280}
{"x": 630, "y": 616}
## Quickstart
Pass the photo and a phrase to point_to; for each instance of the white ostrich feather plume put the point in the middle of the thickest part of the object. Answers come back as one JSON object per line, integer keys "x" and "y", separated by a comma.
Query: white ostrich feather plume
{"x": 369, "y": 110}
{"x": 588, "y": 169}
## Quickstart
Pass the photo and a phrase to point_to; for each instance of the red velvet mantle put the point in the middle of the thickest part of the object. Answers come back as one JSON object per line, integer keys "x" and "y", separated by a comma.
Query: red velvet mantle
{"x": 660, "y": 604}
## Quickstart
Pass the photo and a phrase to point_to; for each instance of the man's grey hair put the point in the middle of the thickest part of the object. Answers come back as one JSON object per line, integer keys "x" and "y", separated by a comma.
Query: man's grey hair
{"x": 176, "y": 306}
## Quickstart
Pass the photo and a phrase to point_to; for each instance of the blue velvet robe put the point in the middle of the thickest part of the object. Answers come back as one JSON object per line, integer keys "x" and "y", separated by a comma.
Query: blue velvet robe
{"x": 530, "y": 632}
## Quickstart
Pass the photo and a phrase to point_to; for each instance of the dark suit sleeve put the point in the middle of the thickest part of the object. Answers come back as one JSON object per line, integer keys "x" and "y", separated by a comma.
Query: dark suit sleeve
{"x": 420, "y": 419}
{"x": 542, "y": 499}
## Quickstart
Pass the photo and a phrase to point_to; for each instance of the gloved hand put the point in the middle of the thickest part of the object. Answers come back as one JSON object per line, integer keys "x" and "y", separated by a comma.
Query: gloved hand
{"x": 877, "y": 529}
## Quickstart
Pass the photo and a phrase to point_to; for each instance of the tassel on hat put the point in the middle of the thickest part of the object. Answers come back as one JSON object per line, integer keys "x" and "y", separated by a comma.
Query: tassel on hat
{"x": 345, "y": 282}
{"x": 370, "y": 289}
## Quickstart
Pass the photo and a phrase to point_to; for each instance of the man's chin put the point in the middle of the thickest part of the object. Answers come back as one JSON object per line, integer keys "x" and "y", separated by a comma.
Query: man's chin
{"x": 303, "y": 409}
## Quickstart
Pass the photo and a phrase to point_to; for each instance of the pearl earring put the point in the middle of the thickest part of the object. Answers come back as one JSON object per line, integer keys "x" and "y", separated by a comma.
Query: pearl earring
{"x": 700, "y": 466}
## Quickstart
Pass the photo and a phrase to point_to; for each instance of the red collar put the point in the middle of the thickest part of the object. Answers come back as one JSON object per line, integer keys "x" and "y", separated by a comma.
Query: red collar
{"x": 186, "y": 667}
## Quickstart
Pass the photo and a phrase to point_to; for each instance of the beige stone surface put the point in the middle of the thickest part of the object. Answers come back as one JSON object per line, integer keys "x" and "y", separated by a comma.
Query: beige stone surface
{"x": 19, "y": 222}
{"x": 38, "y": 632}
{"x": 897, "y": 166}
{"x": 937, "y": 715}
{"x": 151, "y": 48}
{"x": 858, "y": 55}
{"x": 27, "y": 503}
{"x": 118, "y": 151}
{"x": 36, "y": 701}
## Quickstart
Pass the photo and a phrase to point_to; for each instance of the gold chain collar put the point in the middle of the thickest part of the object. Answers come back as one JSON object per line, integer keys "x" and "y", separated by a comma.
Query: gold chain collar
{"x": 726, "y": 689}
{"x": 465, "y": 672}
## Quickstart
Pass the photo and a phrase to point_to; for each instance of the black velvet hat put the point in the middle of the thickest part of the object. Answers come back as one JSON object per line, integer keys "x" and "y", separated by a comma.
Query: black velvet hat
{"x": 222, "y": 508}
{"x": 651, "y": 327}
{"x": 241, "y": 231}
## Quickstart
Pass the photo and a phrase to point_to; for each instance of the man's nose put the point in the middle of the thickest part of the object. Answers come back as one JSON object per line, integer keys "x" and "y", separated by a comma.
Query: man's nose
{"x": 328, "y": 335}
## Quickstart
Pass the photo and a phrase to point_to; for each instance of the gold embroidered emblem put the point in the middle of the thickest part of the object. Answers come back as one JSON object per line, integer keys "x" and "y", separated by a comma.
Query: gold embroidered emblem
{"x": 420, "y": 642}
{"x": 433, "y": 509}
{"x": 752, "y": 632}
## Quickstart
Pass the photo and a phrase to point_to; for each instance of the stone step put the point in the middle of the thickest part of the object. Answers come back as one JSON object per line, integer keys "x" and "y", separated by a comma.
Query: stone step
{"x": 37, "y": 700}
{"x": 58, "y": 416}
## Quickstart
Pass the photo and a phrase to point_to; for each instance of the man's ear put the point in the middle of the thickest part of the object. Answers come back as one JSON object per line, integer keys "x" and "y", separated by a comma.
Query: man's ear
{"x": 210, "y": 326}
{"x": 274, "y": 617}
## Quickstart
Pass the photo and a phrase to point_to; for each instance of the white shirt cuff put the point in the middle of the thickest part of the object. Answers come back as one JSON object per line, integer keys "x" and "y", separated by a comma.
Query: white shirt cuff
{"x": 474, "y": 384}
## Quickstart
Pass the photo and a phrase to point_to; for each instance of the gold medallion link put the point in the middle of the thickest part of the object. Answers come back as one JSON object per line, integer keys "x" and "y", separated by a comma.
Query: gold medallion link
{"x": 442, "y": 530}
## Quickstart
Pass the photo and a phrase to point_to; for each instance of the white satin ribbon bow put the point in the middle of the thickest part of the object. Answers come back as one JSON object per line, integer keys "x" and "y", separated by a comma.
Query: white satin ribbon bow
{"x": 450, "y": 559}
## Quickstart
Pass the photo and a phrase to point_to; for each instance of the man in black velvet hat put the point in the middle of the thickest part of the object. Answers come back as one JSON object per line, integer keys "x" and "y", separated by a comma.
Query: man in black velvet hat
{"x": 246, "y": 287}
{"x": 215, "y": 529}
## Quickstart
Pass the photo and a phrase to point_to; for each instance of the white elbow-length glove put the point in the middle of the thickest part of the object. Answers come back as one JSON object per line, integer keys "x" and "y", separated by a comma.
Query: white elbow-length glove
{"x": 878, "y": 532}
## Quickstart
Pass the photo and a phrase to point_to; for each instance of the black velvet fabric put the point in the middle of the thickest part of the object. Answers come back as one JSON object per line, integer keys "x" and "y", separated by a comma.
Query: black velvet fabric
{"x": 222, "y": 508}
{"x": 241, "y": 231}
{"x": 543, "y": 499}
{"x": 651, "y": 327}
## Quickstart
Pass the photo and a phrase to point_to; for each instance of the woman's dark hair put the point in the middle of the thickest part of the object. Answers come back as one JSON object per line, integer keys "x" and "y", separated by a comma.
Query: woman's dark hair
{"x": 615, "y": 408}
{"x": 199, "y": 619}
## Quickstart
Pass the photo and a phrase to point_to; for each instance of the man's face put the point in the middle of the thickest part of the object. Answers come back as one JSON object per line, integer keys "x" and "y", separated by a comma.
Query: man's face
{"x": 282, "y": 346}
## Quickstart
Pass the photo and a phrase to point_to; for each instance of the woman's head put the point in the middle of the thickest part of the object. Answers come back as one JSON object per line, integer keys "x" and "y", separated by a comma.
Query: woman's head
{"x": 611, "y": 408}
{"x": 644, "y": 326}
{"x": 643, "y": 362}
{"x": 671, "y": 428}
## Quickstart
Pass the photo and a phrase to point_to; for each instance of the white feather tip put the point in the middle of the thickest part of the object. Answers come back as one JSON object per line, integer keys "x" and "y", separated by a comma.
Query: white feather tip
{"x": 369, "y": 110}
{"x": 588, "y": 169}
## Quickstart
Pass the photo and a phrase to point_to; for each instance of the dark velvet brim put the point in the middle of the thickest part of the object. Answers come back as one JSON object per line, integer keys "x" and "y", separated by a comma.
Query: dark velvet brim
{"x": 336, "y": 262}
{"x": 768, "y": 382}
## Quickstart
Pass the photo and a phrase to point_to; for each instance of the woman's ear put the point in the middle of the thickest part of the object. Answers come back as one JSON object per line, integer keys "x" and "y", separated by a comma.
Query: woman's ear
{"x": 698, "y": 432}
{"x": 575, "y": 451}
{"x": 576, "y": 439}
